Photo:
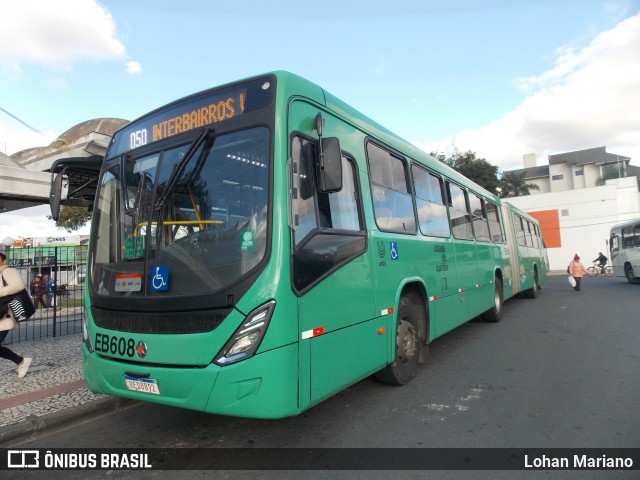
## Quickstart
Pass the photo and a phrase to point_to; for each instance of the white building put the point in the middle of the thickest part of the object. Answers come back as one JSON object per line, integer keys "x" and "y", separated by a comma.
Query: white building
{"x": 576, "y": 204}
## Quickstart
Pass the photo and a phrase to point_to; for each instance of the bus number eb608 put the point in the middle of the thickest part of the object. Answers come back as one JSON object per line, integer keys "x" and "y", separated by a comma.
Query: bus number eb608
{"x": 115, "y": 345}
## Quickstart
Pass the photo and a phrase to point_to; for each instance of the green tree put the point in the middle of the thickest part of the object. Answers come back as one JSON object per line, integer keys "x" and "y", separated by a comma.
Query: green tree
{"x": 72, "y": 218}
{"x": 513, "y": 184}
{"x": 476, "y": 169}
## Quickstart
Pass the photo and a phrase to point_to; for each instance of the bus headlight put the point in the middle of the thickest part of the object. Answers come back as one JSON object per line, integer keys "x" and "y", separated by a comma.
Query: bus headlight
{"x": 246, "y": 339}
{"x": 85, "y": 334}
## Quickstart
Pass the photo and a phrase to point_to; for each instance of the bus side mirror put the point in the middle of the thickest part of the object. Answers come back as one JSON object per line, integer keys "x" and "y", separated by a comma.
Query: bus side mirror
{"x": 329, "y": 165}
{"x": 56, "y": 194}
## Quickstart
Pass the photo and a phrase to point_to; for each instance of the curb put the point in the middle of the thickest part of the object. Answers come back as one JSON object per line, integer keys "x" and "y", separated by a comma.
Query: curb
{"x": 38, "y": 424}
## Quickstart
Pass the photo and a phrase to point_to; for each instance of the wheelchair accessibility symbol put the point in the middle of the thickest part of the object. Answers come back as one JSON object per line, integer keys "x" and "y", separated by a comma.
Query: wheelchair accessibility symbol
{"x": 159, "y": 278}
{"x": 394, "y": 250}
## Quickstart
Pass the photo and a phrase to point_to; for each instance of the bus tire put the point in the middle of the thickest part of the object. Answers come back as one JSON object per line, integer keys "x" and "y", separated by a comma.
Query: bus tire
{"x": 495, "y": 314}
{"x": 631, "y": 278}
{"x": 533, "y": 291}
{"x": 405, "y": 364}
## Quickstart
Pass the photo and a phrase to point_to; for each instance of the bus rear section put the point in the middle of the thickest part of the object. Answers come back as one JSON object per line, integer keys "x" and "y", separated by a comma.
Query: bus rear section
{"x": 624, "y": 244}
{"x": 527, "y": 250}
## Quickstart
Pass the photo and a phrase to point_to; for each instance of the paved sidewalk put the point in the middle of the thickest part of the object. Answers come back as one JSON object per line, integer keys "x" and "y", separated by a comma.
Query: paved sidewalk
{"x": 52, "y": 393}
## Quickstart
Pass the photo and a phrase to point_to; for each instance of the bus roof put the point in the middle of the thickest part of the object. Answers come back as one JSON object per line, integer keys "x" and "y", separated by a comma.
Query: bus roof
{"x": 517, "y": 210}
{"x": 294, "y": 84}
{"x": 289, "y": 85}
{"x": 626, "y": 223}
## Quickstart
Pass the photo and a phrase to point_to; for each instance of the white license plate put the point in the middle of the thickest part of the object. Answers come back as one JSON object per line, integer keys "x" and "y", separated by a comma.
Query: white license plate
{"x": 145, "y": 385}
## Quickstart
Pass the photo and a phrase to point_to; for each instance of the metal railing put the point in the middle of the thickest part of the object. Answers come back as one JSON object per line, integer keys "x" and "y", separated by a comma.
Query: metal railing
{"x": 56, "y": 314}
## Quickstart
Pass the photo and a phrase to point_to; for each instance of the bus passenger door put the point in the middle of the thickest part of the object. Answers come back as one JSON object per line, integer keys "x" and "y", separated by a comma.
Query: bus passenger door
{"x": 465, "y": 259}
{"x": 466, "y": 263}
{"x": 330, "y": 271}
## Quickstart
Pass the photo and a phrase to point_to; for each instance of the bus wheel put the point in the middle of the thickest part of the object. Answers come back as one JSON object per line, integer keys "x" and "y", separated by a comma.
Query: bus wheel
{"x": 631, "y": 278}
{"x": 404, "y": 366}
{"x": 533, "y": 291}
{"x": 495, "y": 314}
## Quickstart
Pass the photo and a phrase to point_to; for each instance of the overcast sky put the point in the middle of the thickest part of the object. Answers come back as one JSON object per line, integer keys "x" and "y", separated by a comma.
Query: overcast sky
{"x": 503, "y": 78}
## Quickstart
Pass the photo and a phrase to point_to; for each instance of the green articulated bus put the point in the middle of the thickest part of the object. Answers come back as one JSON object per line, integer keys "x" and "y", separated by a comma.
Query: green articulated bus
{"x": 258, "y": 247}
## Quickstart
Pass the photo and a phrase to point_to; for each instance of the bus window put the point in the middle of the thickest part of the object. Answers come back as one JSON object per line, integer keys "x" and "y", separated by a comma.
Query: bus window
{"x": 522, "y": 240}
{"x": 615, "y": 246}
{"x": 528, "y": 228}
{"x": 337, "y": 210}
{"x": 329, "y": 229}
{"x": 631, "y": 236}
{"x": 460, "y": 214}
{"x": 495, "y": 226}
{"x": 627, "y": 237}
{"x": 432, "y": 212}
{"x": 480, "y": 223}
{"x": 343, "y": 207}
{"x": 392, "y": 202}
{"x": 536, "y": 236}
{"x": 305, "y": 211}
{"x": 109, "y": 196}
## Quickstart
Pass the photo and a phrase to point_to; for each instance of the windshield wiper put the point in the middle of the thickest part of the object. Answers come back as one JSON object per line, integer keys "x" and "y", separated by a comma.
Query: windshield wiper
{"x": 177, "y": 173}
{"x": 126, "y": 201}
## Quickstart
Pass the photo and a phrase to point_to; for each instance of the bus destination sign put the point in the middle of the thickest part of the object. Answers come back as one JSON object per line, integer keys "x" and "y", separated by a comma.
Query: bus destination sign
{"x": 208, "y": 108}
{"x": 185, "y": 118}
{"x": 218, "y": 110}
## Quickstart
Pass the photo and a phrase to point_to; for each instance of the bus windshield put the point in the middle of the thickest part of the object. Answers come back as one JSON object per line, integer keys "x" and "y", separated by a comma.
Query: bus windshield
{"x": 209, "y": 230}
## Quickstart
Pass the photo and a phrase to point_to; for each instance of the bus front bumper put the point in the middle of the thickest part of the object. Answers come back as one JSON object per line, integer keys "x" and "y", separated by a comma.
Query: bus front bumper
{"x": 263, "y": 386}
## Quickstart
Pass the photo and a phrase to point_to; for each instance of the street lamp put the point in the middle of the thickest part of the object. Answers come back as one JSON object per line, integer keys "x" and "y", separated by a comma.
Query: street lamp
{"x": 8, "y": 243}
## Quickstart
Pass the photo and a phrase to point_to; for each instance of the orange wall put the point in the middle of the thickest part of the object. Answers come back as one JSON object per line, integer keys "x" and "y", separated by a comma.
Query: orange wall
{"x": 549, "y": 226}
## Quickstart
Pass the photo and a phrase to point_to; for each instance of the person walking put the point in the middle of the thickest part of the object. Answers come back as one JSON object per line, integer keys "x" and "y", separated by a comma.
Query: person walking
{"x": 32, "y": 286}
{"x": 51, "y": 292}
{"x": 41, "y": 290}
{"x": 11, "y": 283}
{"x": 576, "y": 269}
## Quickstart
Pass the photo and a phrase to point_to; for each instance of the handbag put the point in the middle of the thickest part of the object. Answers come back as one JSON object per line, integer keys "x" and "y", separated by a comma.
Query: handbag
{"x": 20, "y": 304}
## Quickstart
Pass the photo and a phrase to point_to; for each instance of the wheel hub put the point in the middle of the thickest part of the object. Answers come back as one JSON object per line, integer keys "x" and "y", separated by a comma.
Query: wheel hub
{"x": 406, "y": 341}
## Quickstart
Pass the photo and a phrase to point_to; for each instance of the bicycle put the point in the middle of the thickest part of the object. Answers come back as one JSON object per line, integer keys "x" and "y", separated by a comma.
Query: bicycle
{"x": 595, "y": 270}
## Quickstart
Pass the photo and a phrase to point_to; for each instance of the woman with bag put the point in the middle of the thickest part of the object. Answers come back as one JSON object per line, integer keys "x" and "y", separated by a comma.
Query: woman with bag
{"x": 14, "y": 284}
{"x": 576, "y": 269}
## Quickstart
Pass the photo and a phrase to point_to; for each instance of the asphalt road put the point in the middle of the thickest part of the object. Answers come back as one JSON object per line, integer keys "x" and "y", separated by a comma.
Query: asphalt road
{"x": 559, "y": 371}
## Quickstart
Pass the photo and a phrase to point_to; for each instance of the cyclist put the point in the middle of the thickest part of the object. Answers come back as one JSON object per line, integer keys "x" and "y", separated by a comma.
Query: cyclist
{"x": 602, "y": 261}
